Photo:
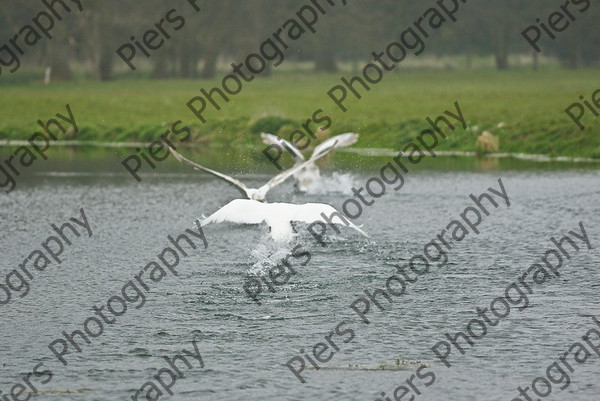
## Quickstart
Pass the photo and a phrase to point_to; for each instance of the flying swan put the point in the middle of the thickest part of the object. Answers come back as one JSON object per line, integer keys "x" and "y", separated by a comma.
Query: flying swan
{"x": 310, "y": 172}
{"x": 259, "y": 194}
{"x": 254, "y": 209}
{"x": 278, "y": 216}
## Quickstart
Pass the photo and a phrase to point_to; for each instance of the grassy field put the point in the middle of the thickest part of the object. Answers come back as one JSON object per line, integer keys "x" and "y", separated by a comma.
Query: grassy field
{"x": 529, "y": 104}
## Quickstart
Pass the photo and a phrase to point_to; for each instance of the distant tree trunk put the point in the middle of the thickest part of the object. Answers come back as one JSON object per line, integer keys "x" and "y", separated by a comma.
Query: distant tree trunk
{"x": 185, "y": 63}
{"x": 501, "y": 51}
{"x": 58, "y": 56}
{"x": 268, "y": 71}
{"x": 99, "y": 45}
{"x": 211, "y": 57}
{"x": 502, "y": 36}
{"x": 105, "y": 63}
{"x": 536, "y": 61}
{"x": 161, "y": 69}
{"x": 501, "y": 61}
{"x": 47, "y": 75}
{"x": 325, "y": 60}
{"x": 187, "y": 58}
{"x": 575, "y": 61}
{"x": 194, "y": 65}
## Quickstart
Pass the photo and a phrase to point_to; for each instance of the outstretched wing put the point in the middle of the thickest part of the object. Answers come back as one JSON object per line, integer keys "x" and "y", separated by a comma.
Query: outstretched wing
{"x": 341, "y": 141}
{"x": 311, "y": 212}
{"x": 277, "y": 215}
{"x": 232, "y": 181}
{"x": 239, "y": 211}
{"x": 281, "y": 177}
{"x": 270, "y": 139}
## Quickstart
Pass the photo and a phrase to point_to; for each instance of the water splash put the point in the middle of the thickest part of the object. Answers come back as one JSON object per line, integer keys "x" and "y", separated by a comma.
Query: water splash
{"x": 334, "y": 183}
{"x": 268, "y": 254}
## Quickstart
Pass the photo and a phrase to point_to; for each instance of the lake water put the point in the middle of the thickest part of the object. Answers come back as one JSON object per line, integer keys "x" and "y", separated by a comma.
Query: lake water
{"x": 245, "y": 346}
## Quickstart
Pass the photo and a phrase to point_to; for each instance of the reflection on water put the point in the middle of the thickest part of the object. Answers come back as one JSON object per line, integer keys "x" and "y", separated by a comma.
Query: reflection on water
{"x": 489, "y": 163}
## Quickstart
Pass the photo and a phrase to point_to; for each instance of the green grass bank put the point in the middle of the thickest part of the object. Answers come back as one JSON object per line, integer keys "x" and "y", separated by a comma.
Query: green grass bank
{"x": 530, "y": 105}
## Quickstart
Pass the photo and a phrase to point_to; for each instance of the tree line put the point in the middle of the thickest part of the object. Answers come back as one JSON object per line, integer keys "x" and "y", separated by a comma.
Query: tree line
{"x": 230, "y": 29}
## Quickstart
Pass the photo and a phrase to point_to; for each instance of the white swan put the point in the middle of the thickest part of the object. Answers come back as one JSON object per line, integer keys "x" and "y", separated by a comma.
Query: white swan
{"x": 259, "y": 194}
{"x": 278, "y": 216}
{"x": 310, "y": 173}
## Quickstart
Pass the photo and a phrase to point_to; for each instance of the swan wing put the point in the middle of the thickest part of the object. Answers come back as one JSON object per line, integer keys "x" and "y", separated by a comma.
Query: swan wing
{"x": 341, "y": 141}
{"x": 230, "y": 180}
{"x": 270, "y": 139}
{"x": 277, "y": 215}
{"x": 281, "y": 177}
{"x": 239, "y": 211}
{"x": 311, "y": 212}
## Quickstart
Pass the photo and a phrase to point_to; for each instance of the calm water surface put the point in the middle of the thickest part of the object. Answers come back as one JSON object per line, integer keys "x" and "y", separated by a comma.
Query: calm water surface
{"x": 245, "y": 346}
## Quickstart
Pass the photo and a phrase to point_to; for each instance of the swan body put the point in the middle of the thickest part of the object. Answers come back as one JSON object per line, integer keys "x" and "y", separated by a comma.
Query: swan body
{"x": 278, "y": 216}
{"x": 310, "y": 173}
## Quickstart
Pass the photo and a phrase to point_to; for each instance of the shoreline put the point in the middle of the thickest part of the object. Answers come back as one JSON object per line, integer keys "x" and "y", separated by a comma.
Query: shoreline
{"x": 499, "y": 155}
{"x": 377, "y": 152}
